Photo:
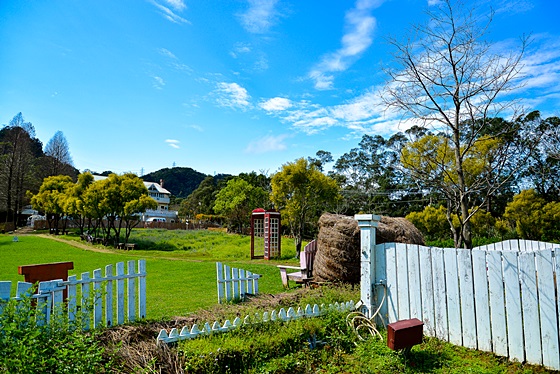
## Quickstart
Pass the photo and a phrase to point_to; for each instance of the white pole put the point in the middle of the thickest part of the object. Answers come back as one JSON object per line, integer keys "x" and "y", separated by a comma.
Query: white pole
{"x": 367, "y": 224}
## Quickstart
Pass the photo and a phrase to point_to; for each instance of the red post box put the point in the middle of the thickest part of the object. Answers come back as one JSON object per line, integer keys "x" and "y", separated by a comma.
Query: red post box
{"x": 404, "y": 334}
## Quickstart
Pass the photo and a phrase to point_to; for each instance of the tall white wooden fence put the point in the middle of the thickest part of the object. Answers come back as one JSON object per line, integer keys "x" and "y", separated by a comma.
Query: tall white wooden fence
{"x": 234, "y": 284}
{"x": 282, "y": 315}
{"x": 500, "y": 298}
{"x": 96, "y": 293}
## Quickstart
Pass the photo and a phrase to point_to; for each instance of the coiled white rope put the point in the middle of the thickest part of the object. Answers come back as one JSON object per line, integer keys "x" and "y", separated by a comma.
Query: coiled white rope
{"x": 364, "y": 326}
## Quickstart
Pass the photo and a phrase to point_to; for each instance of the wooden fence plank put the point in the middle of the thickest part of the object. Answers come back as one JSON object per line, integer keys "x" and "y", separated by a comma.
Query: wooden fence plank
{"x": 120, "y": 293}
{"x": 109, "y": 296}
{"x": 380, "y": 283}
{"x": 142, "y": 289}
{"x": 402, "y": 282}
{"x": 98, "y": 298}
{"x": 131, "y": 291}
{"x": 468, "y": 319}
{"x": 482, "y": 302}
{"x": 86, "y": 302}
{"x": 220, "y": 282}
{"x": 242, "y": 283}
{"x": 415, "y": 292}
{"x": 453, "y": 298}
{"x": 440, "y": 300}
{"x": 497, "y": 303}
{"x": 427, "y": 290}
{"x": 548, "y": 314}
{"x": 236, "y": 294}
{"x": 392, "y": 289}
{"x": 513, "y": 305}
{"x": 530, "y": 307}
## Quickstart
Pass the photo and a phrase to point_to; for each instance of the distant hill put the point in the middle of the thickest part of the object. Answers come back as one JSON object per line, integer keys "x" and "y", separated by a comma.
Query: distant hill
{"x": 179, "y": 181}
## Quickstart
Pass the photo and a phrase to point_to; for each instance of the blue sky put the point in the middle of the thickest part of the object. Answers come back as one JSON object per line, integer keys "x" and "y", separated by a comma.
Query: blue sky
{"x": 227, "y": 86}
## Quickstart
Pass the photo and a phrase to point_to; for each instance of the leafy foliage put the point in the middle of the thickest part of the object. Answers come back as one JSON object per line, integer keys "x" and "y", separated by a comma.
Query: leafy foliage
{"x": 57, "y": 347}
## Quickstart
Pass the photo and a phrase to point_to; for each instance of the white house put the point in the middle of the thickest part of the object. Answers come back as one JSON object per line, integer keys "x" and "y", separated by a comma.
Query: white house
{"x": 162, "y": 197}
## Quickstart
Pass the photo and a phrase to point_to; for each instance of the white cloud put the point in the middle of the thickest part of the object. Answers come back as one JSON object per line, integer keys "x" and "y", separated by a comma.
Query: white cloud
{"x": 196, "y": 127}
{"x": 178, "y": 5}
{"x": 173, "y": 143}
{"x": 240, "y": 48}
{"x": 231, "y": 95}
{"x": 158, "y": 82}
{"x": 260, "y": 16}
{"x": 168, "y": 13}
{"x": 359, "y": 26}
{"x": 268, "y": 143}
{"x": 276, "y": 104}
{"x": 167, "y": 53}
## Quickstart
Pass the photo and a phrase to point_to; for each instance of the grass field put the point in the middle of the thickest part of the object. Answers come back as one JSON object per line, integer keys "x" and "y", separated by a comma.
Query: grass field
{"x": 179, "y": 282}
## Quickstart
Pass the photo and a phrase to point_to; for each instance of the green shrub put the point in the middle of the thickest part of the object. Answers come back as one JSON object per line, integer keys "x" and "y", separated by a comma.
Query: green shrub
{"x": 57, "y": 347}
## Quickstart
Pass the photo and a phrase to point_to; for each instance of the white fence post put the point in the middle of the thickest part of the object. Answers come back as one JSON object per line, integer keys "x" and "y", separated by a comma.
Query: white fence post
{"x": 233, "y": 283}
{"x": 367, "y": 224}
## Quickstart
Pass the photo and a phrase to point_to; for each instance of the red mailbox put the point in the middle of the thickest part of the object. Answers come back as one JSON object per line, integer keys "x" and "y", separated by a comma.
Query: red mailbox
{"x": 404, "y": 334}
{"x": 46, "y": 272}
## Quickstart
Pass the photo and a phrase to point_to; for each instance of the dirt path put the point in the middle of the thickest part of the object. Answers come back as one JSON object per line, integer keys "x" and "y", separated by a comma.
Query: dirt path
{"x": 74, "y": 243}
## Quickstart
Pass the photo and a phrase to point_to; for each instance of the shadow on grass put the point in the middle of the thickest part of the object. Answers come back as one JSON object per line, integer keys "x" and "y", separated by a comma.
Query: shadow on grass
{"x": 423, "y": 361}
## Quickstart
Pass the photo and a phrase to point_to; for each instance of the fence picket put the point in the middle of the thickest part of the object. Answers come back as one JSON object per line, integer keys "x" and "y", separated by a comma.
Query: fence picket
{"x": 427, "y": 291}
{"x": 468, "y": 319}
{"x": 497, "y": 303}
{"x": 414, "y": 293}
{"x": 392, "y": 289}
{"x": 452, "y": 293}
{"x": 86, "y": 304}
{"x": 97, "y": 301}
{"x": 72, "y": 297}
{"x": 530, "y": 306}
{"x": 142, "y": 289}
{"x": 235, "y": 274}
{"x": 380, "y": 283}
{"x": 548, "y": 315}
{"x": 482, "y": 302}
{"x": 109, "y": 295}
{"x": 402, "y": 281}
{"x": 513, "y": 305}
{"x": 220, "y": 283}
{"x": 440, "y": 306}
{"x": 131, "y": 288}
{"x": 120, "y": 293}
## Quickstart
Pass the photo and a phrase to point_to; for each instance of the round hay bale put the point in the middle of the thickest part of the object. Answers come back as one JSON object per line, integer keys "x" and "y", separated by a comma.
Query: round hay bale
{"x": 338, "y": 244}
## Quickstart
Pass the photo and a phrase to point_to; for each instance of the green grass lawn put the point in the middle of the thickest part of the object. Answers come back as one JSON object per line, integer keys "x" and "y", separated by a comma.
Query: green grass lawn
{"x": 179, "y": 282}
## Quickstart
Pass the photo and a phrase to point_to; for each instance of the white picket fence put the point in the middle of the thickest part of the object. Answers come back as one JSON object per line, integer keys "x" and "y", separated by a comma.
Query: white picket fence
{"x": 234, "y": 284}
{"x": 499, "y": 298}
{"x": 96, "y": 293}
{"x": 282, "y": 315}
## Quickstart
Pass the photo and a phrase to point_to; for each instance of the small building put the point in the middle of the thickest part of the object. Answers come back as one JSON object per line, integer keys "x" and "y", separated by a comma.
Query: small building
{"x": 265, "y": 234}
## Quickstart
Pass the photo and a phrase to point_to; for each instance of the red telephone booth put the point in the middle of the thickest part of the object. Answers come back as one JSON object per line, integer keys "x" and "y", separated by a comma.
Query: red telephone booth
{"x": 265, "y": 234}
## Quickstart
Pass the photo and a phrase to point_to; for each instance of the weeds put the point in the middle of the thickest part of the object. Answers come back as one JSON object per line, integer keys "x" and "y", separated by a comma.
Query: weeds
{"x": 56, "y": 347}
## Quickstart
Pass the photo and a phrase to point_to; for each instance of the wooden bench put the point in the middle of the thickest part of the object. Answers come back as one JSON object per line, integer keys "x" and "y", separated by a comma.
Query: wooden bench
{"x": 129, "y": 246}
{"x": 305, "y": 273}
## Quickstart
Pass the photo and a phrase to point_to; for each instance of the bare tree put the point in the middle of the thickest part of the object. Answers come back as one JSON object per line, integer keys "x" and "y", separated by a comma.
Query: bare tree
{"x": 58, "y": 151}
{"x": 454, "y": 82}
{"x": 18, "y": 150}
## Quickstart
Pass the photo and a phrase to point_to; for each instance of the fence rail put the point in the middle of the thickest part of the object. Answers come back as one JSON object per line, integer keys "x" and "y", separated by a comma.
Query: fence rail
{"x": 500, "y": 298}
{"x": 282, "y": 315}
{"x": 234, "y": 284}
{"x": 97, "y": 295}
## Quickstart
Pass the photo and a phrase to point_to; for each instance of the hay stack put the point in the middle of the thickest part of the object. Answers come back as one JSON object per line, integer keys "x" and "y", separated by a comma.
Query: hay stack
{"x": 338, "y": 245}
